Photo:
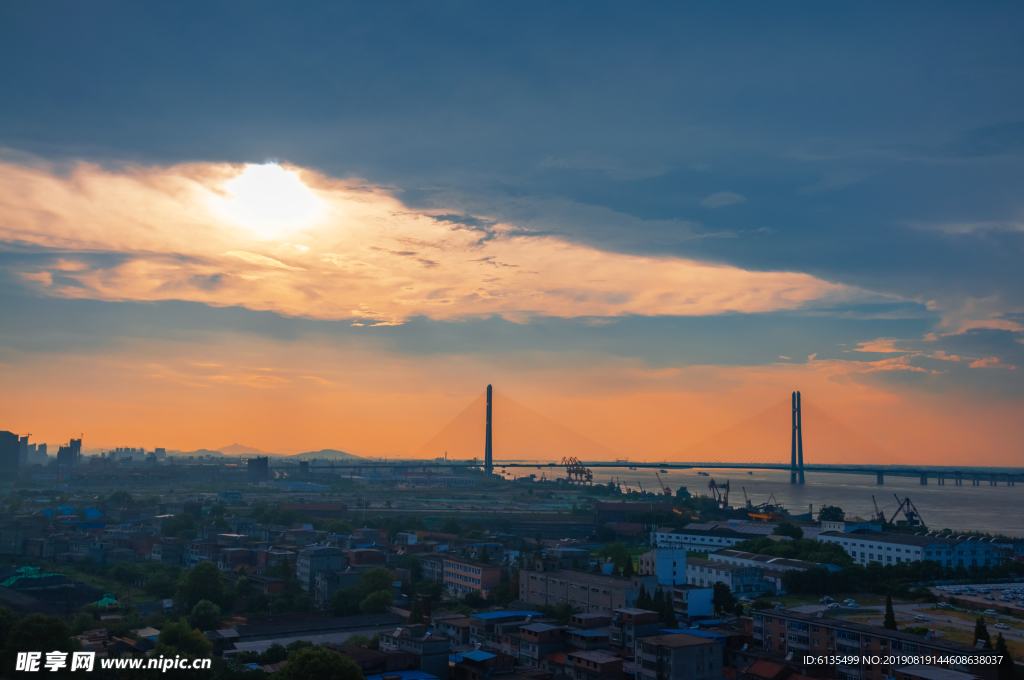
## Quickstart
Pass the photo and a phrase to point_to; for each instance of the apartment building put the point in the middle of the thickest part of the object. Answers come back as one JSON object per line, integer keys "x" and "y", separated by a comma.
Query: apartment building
{"x": 679, "y": 657}
{"x": 668, "y": 564}
{"x": 314, "y": 559}
{"x": 787, "y": 632}
{"x": 430, "y": 649}
{"x": 629, "y": 625}
{"x": 893, "y": 547}
{"x": 466, "y": 576}
{"x": 589, "y": 593}
{"x": 593, "y": 665}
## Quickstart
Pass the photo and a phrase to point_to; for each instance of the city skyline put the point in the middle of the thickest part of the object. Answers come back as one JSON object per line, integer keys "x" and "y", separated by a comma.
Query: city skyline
{"x": 632, "y": 225}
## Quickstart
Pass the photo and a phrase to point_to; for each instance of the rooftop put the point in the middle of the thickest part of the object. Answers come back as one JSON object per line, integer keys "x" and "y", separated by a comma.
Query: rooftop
{"x": 487, "y": 616}
{"x": 676, "y": 640}
{"x": 934, "y": 672}
{"x": 595, "y": 655}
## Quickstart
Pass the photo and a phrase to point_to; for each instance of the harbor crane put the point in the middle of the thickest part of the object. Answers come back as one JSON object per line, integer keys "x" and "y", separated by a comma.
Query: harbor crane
{"x": 720, "y": 492}
{"x": 879, "y": 516}
{"x": 913, "y": 517}
{"x": 664, "y": 486}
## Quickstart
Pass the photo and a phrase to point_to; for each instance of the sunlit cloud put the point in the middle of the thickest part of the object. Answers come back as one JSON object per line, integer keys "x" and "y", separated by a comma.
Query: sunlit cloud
{"x": 291, "y": 241}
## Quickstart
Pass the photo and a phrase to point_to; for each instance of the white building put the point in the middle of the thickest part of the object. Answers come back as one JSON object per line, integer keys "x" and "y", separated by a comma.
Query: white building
{"x": 892, "y": 547}
{"x": 696, "y": 539}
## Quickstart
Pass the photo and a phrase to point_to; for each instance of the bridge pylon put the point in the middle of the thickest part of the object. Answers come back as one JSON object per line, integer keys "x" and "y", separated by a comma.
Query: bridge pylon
{"x": 796, "y": 464}
{"x": 488, "y": 440}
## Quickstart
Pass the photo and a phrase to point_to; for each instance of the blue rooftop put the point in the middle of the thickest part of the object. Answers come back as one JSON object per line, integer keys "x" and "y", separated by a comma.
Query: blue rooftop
{"x": 478, "y": 655}
{"x": 500, "y": 615}
{"x": 405, "y": 675}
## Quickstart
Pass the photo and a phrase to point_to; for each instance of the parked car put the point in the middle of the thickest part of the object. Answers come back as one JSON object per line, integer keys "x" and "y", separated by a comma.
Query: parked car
{"x": 990, "y": 612}
{"x": 1003, "y": 626}
{"x": 833, "y": 605}
{"x": 921, "y": 617}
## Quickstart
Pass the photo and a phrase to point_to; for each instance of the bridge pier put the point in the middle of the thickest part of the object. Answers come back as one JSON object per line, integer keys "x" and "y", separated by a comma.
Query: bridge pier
{"x": 940, "y": 479}
{"x": 959, "y": 479}
{"x": 881, "y": 478}
{"x": 924, "y": 479}
{"x": 975, "y": 480}
{"x": 993, "y": 481}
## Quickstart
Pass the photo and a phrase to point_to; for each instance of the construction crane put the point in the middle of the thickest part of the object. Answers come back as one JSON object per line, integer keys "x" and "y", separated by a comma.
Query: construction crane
{"x": 879, "y": 517}
{"x": 913, "y": 517}
{"x": 641, "y": 486}
{"x": 667, "y": 490}
{"x": 745, "y": 499}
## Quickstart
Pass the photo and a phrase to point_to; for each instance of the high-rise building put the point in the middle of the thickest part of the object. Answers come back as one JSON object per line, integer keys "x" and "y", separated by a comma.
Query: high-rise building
{"x": 259, "y": 469}
{"x": 9, "y": 446}
{"x": 23, "y": 451}
{"x": 69, "y": 455}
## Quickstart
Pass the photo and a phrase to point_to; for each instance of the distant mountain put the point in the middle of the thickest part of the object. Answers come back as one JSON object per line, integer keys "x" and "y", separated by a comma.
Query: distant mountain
{"x": 329, "y": 454}
{"x": 237, "y": 449}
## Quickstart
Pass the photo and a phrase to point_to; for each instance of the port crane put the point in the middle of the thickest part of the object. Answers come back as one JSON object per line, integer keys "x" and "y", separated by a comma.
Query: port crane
{"x": 746, "y": 500}
{"x": 913, "y": 517}
{"x": 665, "y": 488}
{"x": 879, "y": 516}
{"x": 720, "y": 492}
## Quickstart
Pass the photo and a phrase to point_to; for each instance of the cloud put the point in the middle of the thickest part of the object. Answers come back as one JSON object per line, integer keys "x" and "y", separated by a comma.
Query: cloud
{"x": 961, "y": 228}
{"x": 880, "y": 345}
{"x": 178, "y": 233}
{"x": 722, "y": 199}
{"x": 835, "y": 180}
{"x": 991, "y": 362}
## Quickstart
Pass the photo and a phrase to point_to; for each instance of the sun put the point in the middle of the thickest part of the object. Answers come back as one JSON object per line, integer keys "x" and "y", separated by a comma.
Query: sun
{"x": 271, "y": 200}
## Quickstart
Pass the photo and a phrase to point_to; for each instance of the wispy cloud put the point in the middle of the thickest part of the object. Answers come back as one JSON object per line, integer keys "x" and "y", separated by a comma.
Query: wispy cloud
{"x": 722, "y": 199}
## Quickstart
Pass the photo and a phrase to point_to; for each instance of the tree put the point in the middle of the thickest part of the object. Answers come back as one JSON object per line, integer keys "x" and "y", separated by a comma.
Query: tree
{"x": 451, "y": 526}
{"x": 181, "y": 638}
{"x": 378, "y": 578}
{"x": 723, "y": 598}
{"x": 319, "y": 663}
{"x": 484, "y": 556}
{"x": 82, "y": 622}
{"x": 179, "y": 525}
{"x": 376, "y": 603}
{"x": 981, "y": 632}
{"x": 831, "y": 513}
{"x": 1006, "y": 669}
{"x": 205, "y": 616}
{"x": 643, "y": 600}
{"x": 615, "y": 570}
{"x": 629, "y": 570}
{"x": 658, "y": 601}
{"x": 789, "y": 529}
{"x": 33, "y": 633}
{"x": 204, "y": 582}
{"x": 415, "y": 611}
{"x": 890, "y": 615}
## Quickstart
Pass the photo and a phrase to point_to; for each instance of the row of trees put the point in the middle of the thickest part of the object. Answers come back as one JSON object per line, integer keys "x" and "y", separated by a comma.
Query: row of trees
{"x": 889, "y": 579}
{"x": 373, "y": 595}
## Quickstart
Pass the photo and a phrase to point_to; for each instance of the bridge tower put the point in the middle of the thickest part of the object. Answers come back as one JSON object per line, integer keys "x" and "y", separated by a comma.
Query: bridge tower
{"x": 488, "y": 442}
{"x": 796, "y": 464}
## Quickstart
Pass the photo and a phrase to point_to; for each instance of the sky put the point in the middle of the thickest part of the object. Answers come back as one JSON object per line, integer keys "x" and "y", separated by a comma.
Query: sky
{"x": 332, "y": 225}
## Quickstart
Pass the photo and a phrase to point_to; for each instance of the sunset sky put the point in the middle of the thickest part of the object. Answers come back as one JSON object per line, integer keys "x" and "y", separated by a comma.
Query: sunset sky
{"x": 322, "y": 225}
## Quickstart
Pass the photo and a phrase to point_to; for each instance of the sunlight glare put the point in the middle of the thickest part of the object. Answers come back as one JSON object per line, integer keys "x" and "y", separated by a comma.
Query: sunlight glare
{"x": 269, "y": 199}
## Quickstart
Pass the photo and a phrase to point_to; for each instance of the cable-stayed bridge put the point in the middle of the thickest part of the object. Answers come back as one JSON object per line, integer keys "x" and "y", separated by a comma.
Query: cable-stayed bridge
{"x": 496, "y": 431}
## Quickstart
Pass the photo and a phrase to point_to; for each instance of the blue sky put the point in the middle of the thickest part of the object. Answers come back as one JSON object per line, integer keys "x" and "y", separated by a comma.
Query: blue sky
{"x": 871, "y": 146}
